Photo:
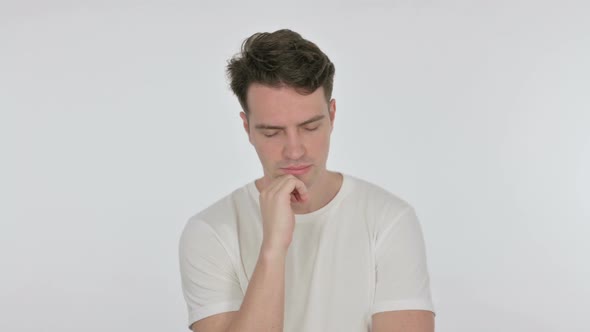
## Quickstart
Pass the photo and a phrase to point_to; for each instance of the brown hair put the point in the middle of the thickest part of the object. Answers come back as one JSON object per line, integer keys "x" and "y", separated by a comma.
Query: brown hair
{"x": 280, "y": 58}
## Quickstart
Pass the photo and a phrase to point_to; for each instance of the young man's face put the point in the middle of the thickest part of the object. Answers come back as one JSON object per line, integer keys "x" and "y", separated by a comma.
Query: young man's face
{"x": 290, "y": 132}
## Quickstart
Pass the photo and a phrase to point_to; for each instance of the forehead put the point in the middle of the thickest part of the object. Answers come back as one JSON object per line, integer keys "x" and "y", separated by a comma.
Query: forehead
{"x": 282, "y": 105}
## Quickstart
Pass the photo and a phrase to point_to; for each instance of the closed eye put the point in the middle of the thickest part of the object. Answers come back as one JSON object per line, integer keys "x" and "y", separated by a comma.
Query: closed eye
{"x": 270, "y": 134}
{"x": 311, "y": 129}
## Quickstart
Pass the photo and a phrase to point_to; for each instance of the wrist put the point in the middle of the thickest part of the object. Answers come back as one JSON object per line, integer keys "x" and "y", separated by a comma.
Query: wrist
{"x": 269, "y": 252}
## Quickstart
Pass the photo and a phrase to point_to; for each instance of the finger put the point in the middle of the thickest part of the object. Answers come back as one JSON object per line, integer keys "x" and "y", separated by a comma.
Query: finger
{"x": 275, "y": 187}
{"x": 301, "y": 190}
{"x": 292, "y": 185}
{"x": 295, "y": 196}
{"x": 298, "y": 197}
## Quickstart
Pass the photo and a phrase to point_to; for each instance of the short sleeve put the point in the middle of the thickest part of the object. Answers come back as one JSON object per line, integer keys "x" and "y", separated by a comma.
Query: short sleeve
{"x": 209, "y": 282}
{"x": 402, "y": 280}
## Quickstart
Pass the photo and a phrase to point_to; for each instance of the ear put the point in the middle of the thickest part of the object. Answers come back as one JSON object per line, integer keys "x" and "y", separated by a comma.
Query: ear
{"x": 246, "y": 125}
{"x": 332, "y": 112}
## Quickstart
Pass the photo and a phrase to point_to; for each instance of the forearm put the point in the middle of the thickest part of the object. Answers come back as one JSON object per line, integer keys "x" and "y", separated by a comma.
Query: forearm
{"x": 263, "y": 306}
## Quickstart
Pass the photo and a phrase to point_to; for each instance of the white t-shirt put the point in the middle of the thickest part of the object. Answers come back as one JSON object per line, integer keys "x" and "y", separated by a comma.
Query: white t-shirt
{"x": 360, "y": 254}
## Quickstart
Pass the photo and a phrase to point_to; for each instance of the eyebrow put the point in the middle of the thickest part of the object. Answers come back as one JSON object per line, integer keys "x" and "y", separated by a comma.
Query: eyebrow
{"x": 306, "y": 122}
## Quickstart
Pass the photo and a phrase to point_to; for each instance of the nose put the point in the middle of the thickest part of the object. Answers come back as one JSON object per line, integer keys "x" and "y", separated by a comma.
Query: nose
{"x": 294, "y": 148}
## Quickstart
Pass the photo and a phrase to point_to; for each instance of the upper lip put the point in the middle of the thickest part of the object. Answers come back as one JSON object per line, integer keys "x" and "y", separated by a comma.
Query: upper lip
{"x": 296, "y": 167}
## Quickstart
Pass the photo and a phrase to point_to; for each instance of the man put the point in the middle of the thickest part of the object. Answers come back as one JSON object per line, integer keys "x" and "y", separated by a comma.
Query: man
{"x": 302, "y": 248}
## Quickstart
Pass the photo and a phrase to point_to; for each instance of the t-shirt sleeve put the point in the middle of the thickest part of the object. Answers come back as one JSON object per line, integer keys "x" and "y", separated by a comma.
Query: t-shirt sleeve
{"x": 402, "y": 280}
{"x": 209, "y": 282}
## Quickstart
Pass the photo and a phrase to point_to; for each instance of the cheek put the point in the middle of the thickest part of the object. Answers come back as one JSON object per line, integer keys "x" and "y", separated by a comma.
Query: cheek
{"x": 268, "y": 151}
{"x": 321, "y": 142}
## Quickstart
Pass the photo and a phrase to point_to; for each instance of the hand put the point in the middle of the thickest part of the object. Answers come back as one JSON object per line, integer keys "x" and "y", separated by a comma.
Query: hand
{"x": 278, "y": 218}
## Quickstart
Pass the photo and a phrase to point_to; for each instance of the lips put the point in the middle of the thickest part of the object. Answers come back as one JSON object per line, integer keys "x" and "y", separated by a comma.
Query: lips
{"x": 296, "y": 170}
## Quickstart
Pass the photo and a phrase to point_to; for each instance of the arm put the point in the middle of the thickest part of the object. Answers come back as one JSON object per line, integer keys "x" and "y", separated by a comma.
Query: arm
{"x": 263, "y": 305}
{"x": 262, "y": 308}
{"x": 402, "y": 296}
{"x": 403, "y": 321}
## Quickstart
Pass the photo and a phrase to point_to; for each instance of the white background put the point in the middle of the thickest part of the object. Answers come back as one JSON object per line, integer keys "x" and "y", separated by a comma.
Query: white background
{"x": 117, "y": 124}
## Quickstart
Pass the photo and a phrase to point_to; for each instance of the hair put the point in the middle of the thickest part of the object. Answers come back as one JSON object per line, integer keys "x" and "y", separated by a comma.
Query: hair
{"x": 277, "y": 59}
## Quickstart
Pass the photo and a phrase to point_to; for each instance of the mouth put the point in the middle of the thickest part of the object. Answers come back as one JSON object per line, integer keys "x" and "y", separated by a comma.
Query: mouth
{"x": 296, "y": 170}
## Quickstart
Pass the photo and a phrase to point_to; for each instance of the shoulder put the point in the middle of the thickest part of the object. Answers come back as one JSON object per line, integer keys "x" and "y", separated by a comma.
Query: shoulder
{"x": 374, "y": 196}
{"x": 223, "y": 209}
{"x": 377, "y": 206}
{"x": 219, "y": 217}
